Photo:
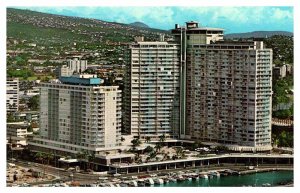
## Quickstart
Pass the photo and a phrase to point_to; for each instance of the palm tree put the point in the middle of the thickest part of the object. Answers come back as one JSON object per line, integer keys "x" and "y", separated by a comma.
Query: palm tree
{"x": 91, "y": 159}
{"x": 135, "y": 143}
{"x": 162, "y": 138}
{"x": 147, "y": 139}
{"x": 122, "y": 139}
{"x": 158, "y": 147}
{"x": 85, "y": 157}
{"x": 152, "y": 155}
{"x": 40, "y": 156}
{"x": 49, "y": 156}
{"x": 148, "y": 149}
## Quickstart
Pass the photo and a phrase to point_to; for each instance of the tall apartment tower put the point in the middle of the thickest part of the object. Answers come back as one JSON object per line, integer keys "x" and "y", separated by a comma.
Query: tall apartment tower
{"x": 78, "y": 114}
{"x": 74, "y": 65}
{"x": 77, "y": 65}
{"x": 12, "y": 95}
{"x": 152, "y": 90}
{"x": 225, "y": 88}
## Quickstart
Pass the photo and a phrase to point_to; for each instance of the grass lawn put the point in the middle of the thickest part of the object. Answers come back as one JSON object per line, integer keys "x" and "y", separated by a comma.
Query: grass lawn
{"x": 31, "y": 78}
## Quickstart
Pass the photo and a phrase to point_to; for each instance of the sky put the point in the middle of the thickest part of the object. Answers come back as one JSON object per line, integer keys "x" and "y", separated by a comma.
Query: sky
{"x": 232, "y": 19}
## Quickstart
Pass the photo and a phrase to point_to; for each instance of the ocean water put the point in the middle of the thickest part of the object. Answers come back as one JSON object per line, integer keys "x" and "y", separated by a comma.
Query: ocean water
{"x": 255, "y": 179}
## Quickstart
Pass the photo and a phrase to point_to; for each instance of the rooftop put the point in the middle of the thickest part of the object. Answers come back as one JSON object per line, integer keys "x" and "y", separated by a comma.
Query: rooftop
{"x": 194, "y": 26}
{"x": 85, "y": 79}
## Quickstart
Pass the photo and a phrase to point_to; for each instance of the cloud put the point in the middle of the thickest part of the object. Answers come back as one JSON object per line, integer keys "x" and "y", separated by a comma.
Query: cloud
{"x": 234, "y": 19}
{"x": 282, "y": 14}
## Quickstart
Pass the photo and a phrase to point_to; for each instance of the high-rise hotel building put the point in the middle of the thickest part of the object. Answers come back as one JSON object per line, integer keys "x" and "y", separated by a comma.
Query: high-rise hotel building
{"x": 227, "y": 94}
{"x": 78, "y": 114}
{"x": 201, "y": 87}
{"x": 152, "y": 90}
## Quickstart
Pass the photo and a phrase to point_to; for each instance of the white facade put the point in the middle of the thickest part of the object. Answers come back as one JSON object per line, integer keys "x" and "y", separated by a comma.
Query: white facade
{"x": 17, "y": 133}
{"x": 229, "y": 94}
{"x": 17, "y": 129}
{"x": 76, "y": 65}
{"x": 73, "y": 66}
{"x": 79, "y": 117}
{"x": 227, "y": 88}
{"x": 63, "y": 71}
{"x": 152, "y": 90}
{"x": 12, "y": 94}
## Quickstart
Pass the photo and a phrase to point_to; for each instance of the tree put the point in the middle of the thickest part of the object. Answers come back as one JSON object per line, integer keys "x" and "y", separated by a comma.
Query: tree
{"x": 34, "y": 103}
{"x": 283, "y": 48}
{"x": 87, "y": 157}
{"x": 40, "y": 156}
{"x": 91, "y": 159}
{"x": 158, "y": 146}
{"x": 29, "y": 128}
{"x": 286, "y": 139}
{"x": 284, "y": 114}
{"x": 49, "y": 157}
{"x": 152, "y": 155}
{"x": 89, "y": 71}
{"x": 281, "y": 88}
{"x": 162, "y": 138}
{"x": 10, "y": 118}
{"x": 148, "y": 139}
{"x": 135, "y": 143}
{"x": 148, "y": 149}
{"x": 122, "y": 139}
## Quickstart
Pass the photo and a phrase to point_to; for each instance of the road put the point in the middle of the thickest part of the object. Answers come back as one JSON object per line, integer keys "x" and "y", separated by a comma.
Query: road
{"x": 59, "y": 173}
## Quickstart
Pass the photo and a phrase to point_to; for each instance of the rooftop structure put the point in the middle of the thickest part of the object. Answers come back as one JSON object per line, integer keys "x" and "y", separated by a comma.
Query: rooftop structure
{"x": 81, "y": 79}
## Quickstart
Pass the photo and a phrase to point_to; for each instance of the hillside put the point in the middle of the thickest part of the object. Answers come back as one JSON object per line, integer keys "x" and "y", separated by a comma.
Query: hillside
{"x": 47, "y": 38}
{"x": 257, "y": 34}
{"x": 51, "y": 29}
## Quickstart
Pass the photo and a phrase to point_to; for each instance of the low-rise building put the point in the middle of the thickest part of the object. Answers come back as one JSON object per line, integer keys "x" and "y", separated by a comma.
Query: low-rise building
{"x": 28, "y": 116}
{"x": 12, "y": 95}
{"x": 17, "y": 133}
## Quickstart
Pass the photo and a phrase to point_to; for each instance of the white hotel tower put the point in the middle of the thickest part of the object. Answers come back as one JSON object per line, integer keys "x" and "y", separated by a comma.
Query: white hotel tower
{"x": 152, "y": 90}
{"x": 78, "y": 114}
{"x": 226, "y": 96}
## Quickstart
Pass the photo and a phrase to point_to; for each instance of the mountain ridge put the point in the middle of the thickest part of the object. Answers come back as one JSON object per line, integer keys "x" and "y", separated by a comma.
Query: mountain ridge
{"x": 21, "y": 22}
{"x": 257, "y": 34}
{"x": 139, "y": 24}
